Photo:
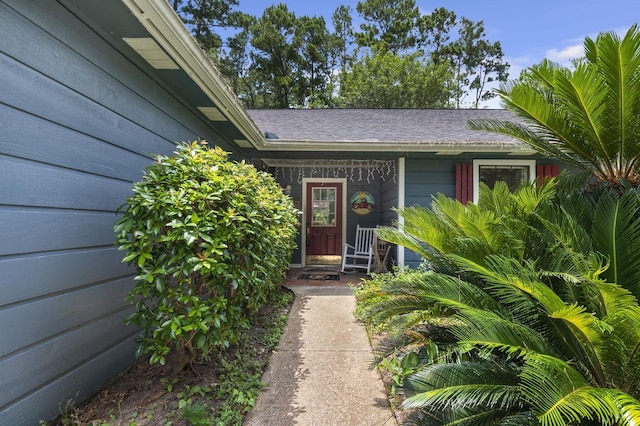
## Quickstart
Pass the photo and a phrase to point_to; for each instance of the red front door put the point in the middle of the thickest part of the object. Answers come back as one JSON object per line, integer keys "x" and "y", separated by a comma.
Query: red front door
{"x": 324, "y": 218}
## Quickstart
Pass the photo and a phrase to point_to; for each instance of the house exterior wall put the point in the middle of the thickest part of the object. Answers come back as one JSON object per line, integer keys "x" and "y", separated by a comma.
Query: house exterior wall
{"x": 79, "y": 125}
{"x": 388, "y": 201}
{"x": 382, "y": 184}
{"x": 425, "y": 177}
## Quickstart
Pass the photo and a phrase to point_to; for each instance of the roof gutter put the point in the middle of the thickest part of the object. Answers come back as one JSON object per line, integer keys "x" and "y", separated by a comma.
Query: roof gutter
{"x": 169, "y": 32}
{"x": 440, "y": 147}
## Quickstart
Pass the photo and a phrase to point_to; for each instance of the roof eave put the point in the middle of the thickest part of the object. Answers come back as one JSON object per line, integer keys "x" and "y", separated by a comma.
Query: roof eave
{"x": 440, "y": 147}
{"x": 170, "y": 33}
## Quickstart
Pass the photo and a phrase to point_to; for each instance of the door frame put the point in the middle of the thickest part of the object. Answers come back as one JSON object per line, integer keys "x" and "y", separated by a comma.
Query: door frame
{"x": 305, "y": 181}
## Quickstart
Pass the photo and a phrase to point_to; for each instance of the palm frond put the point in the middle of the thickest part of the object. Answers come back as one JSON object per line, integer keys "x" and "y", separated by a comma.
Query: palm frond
{"x": 496, "y": 199}
{"x": 474, "y": 417}
{"x": 513, "y": 280}
{"x": 614, "y": 298}
{"x": 523, "y": 418}
{"x": 527, "y": 134}
{"x": 421, "y": 232}
{"x": 587, "y": 325}
{"x": 471, "y": 228}
{"x": 560, "y": 395}
{"x": 628, "y": 407}
{"x": 450, "y": 291}
{"x": 620, "y": 350}
{"x": 619, "y": 61}
{"x": 468, "y": 417}
{"x": 586, "y": 331}
{"x": 581, "y": 97}
{"x": 528, "y": 197}
{"x": 565, "y": 230}
{"x": 487, "y": 330}
{"x": 419, "y": 294}
{"x": 586, "y": 118}
{"x": 616, "y": 234}
{"x": 463, "y": 385}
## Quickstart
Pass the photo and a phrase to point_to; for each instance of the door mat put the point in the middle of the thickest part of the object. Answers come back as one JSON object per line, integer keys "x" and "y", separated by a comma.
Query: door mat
{"x": 319, "y": 276}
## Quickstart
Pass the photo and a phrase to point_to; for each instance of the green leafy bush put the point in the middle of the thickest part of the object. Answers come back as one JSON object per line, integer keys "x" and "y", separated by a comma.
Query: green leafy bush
{"x": 210, "y": 239}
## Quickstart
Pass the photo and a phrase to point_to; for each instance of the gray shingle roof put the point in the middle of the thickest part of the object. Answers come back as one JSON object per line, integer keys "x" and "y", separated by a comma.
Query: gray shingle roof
{"x": 434, "y": 126}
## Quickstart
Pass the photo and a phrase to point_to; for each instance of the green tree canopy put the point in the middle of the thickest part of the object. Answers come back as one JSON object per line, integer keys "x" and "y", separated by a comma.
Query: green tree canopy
{"x": 206, "y": 17}
{"x": 280, "y": 60}
{"x": 389, "y": 25}
{"x": 275, "y": 54}
{"x": 387, "y": 80}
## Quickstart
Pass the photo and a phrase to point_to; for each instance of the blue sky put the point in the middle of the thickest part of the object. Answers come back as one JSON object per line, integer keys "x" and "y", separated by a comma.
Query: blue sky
{"x": 528, "y": 31}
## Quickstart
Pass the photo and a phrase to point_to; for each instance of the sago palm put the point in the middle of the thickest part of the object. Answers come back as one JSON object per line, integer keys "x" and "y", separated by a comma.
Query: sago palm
{"x": 534, "y": 331}
{"x": 501, "y": 222}
{"x": 536, "y": 359}
{"x": 587, "y": 117}
{"x": 513, "y": 351}
{"x": 607, "y": 223}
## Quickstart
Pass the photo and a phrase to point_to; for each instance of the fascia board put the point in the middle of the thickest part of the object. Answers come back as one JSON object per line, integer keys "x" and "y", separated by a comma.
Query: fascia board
{"x": 171, "y": 34}
{"x": 371, "y": 146}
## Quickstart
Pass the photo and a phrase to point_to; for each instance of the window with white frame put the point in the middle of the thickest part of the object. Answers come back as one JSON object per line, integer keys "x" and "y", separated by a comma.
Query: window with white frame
{"x": 513, "y": 172}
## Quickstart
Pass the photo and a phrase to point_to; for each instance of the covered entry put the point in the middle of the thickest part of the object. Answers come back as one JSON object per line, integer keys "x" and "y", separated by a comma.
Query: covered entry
{"x": 334, "y": 197}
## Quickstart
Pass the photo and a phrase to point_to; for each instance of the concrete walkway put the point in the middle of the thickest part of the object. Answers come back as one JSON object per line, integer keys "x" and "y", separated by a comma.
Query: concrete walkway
{"x": 321, "y": 374}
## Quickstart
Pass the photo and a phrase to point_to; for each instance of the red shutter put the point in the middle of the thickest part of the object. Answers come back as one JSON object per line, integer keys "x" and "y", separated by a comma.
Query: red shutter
{"x": 545, "y": 171}
{"x": 464, "y": 182}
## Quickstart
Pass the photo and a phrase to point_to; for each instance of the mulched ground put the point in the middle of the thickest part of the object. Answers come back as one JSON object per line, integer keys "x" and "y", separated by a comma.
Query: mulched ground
{"x": 149, "y": 394}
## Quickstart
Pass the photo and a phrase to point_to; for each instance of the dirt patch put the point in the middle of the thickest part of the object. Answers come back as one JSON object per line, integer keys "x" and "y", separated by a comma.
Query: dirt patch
{"x": 220, "y": 390}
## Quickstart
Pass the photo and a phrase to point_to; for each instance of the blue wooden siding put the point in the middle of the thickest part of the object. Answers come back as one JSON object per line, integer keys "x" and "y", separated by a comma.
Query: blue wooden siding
{"x": 388, "y": 201}
{"x": 425, "y": 177}
{"x": 78, "y": 124}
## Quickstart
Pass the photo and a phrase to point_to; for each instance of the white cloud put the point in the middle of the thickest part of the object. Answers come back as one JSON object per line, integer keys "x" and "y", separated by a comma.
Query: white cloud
{"x": 565, "y": 55}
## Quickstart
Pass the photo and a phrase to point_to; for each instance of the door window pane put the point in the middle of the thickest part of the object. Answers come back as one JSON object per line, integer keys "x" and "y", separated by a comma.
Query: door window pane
{"x": 323, "y": 204}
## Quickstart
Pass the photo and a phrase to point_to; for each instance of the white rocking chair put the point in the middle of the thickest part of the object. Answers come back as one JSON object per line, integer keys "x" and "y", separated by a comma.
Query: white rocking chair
{"x": 359, "y": 255}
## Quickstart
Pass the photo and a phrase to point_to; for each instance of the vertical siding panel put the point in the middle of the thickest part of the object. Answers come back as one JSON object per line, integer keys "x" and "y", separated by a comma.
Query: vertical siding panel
{"x": 544, "y": 171}
{"x": 459, "y": 181}
{"x": 464, "y": 182}
{"x": 470, "y": 183}
{"x": 539, "y": 173}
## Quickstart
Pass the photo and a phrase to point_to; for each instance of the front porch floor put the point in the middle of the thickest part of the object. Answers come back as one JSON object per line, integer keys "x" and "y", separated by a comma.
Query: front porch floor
{"x": 346, "y": 279}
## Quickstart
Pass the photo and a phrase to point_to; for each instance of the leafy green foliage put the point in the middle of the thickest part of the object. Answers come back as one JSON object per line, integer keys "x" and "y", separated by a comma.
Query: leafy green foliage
{"x": 210, "y": 240}
{"x": 203, "y": 16}
{"x": 389, "y": 25}
{"x": 386, "y": 80}
{"x": 528, "y": 314}
{"x": 280, "y": 60}
{"x": 587, "y": 117}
